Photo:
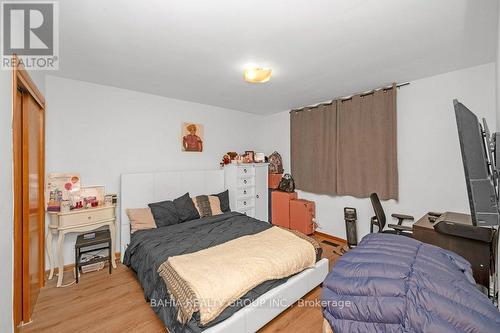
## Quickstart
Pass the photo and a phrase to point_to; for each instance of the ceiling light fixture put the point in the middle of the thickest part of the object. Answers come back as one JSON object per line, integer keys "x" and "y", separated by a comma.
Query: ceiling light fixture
{"x": 257, "y": 74}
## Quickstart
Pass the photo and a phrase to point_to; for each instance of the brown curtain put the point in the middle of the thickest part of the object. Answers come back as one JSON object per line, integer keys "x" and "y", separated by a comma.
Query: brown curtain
{"x": 313, "y": 139}
{"x": 348, "y": 147}
{"x": 367, "y": 146}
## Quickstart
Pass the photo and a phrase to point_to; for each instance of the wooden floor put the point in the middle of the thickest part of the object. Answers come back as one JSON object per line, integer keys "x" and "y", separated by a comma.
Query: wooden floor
{"x": 115, "y": 303}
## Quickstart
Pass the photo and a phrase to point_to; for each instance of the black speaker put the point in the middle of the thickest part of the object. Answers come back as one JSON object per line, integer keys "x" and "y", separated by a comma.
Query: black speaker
{"x": 350, "y": 217}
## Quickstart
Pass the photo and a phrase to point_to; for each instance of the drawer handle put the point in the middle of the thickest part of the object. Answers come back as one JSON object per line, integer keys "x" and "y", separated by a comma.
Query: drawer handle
{"x": 257, "y": 196}
{"x": 244, "y": 191}
{"x": 89, "y": 217}
{"x": 245, "y": 170}
{"x": 245, "y": 181}
{"x": 244, "y": 203}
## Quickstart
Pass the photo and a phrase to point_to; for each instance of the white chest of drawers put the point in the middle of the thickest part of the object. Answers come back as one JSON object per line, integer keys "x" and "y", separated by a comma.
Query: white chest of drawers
{"x": 247, "y": 186}
{"x": 80, "y": 220}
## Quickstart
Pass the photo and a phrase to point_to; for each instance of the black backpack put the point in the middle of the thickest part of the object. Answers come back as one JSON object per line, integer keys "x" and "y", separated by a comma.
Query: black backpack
{"x": 287, "y": 184}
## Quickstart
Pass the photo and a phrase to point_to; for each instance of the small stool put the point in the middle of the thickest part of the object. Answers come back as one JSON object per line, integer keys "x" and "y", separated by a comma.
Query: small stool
{"x": 101, "y": 241}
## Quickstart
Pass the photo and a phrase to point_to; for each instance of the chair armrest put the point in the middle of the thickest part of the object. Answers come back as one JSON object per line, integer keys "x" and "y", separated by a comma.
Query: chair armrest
{"x": 373, "y": 222}
{"x": 400, "y": 228}
{"x": 403, "y": 217}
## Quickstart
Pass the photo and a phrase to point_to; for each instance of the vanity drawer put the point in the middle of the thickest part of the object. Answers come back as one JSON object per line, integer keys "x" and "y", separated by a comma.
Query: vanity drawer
{"x": 86, "y": 217}
{"x": 244, "y": 182}
{"x": 246, "y": 171}
{"x": 245, "y": 203}
{"x": 245, "y": 192}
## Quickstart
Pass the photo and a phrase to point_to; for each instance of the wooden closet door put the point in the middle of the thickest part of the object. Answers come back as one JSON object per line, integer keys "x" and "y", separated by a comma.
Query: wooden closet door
{"x": 33, "y": 205}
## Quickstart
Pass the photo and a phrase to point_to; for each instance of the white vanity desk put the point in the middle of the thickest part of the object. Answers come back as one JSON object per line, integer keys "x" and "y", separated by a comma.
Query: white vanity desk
{"x": 78, "y": 220}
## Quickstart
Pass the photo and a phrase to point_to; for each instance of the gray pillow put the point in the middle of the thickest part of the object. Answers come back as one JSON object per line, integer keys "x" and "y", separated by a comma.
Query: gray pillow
{"x": 224, "y": 201}
{"x": 164, "y": 213}
{"x": 185, "y": 208}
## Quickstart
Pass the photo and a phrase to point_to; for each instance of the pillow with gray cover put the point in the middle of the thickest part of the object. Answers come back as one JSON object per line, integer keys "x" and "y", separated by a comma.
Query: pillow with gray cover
{"x": 164, "y": 213}
{"x": 185, "y": 208}
{"x": 224, "y": 201}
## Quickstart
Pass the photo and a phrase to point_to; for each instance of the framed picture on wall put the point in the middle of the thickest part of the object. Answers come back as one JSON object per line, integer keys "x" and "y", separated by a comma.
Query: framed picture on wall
{"x": 192, "y": 136}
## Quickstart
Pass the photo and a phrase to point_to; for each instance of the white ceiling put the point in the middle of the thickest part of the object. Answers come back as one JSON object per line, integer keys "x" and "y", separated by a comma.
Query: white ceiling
{"x": 318, "y": 49}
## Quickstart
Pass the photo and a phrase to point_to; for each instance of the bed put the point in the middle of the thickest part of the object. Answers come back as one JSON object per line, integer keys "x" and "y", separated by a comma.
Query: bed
{"x": 392, "y": 283}
{"x": 146, "y": 250}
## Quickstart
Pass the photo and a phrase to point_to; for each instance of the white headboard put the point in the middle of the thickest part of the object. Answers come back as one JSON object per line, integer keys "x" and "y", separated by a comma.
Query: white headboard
{"x": 140, "y": 189}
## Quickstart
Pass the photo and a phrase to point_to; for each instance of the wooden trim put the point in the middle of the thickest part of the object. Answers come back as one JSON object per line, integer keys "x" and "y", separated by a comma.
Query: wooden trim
{"x": 26, "y": 81}
{"x": 333, "y": 238}
{"x": 17, "y": 186}
{"x": 41, "y": 198}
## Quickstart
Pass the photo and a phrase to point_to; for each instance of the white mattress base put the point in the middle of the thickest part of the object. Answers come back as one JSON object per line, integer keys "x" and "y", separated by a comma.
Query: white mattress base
{"x": 265, "y": 308}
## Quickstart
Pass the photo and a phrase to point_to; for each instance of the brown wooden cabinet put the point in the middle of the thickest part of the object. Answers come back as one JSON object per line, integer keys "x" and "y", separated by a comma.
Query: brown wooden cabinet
{"x": 281, "y": 208}
{"x": 303, "y": 216}
{"x": 478, "y": 253}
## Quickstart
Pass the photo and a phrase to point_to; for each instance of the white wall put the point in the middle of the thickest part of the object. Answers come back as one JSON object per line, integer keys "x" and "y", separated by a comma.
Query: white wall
{"x": 6, "y": 205}
{"x": 102, "y": 132}
{"x": 431, "y": 175}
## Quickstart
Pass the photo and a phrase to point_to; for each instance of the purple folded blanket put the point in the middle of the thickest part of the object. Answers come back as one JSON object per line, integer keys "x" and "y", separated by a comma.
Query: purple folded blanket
{"x": 394, "y": 283}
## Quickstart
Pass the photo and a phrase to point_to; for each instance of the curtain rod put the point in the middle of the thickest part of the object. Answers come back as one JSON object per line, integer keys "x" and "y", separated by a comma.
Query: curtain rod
{"x": 345, "y": 99}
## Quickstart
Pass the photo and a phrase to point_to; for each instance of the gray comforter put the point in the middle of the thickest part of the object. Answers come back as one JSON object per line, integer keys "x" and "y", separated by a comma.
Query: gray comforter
{"x": 148, "y": 249}
{"x": 394, "y": 283}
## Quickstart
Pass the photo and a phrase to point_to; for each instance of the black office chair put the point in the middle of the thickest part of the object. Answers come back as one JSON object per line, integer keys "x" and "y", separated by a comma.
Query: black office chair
{"x": 379, "y": 220}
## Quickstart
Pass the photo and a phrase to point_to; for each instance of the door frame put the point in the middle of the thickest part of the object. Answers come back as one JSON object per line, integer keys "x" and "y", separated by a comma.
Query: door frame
{"x": 22, "y": 80}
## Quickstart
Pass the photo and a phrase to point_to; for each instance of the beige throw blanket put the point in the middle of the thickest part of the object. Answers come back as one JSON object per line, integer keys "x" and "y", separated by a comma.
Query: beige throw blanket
{"x": 210, "y": 280}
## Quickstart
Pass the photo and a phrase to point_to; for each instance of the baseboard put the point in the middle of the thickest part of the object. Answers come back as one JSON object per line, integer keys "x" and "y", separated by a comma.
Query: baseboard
{"x": 70, "y": 267}
{"x": 334, "y": 238}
